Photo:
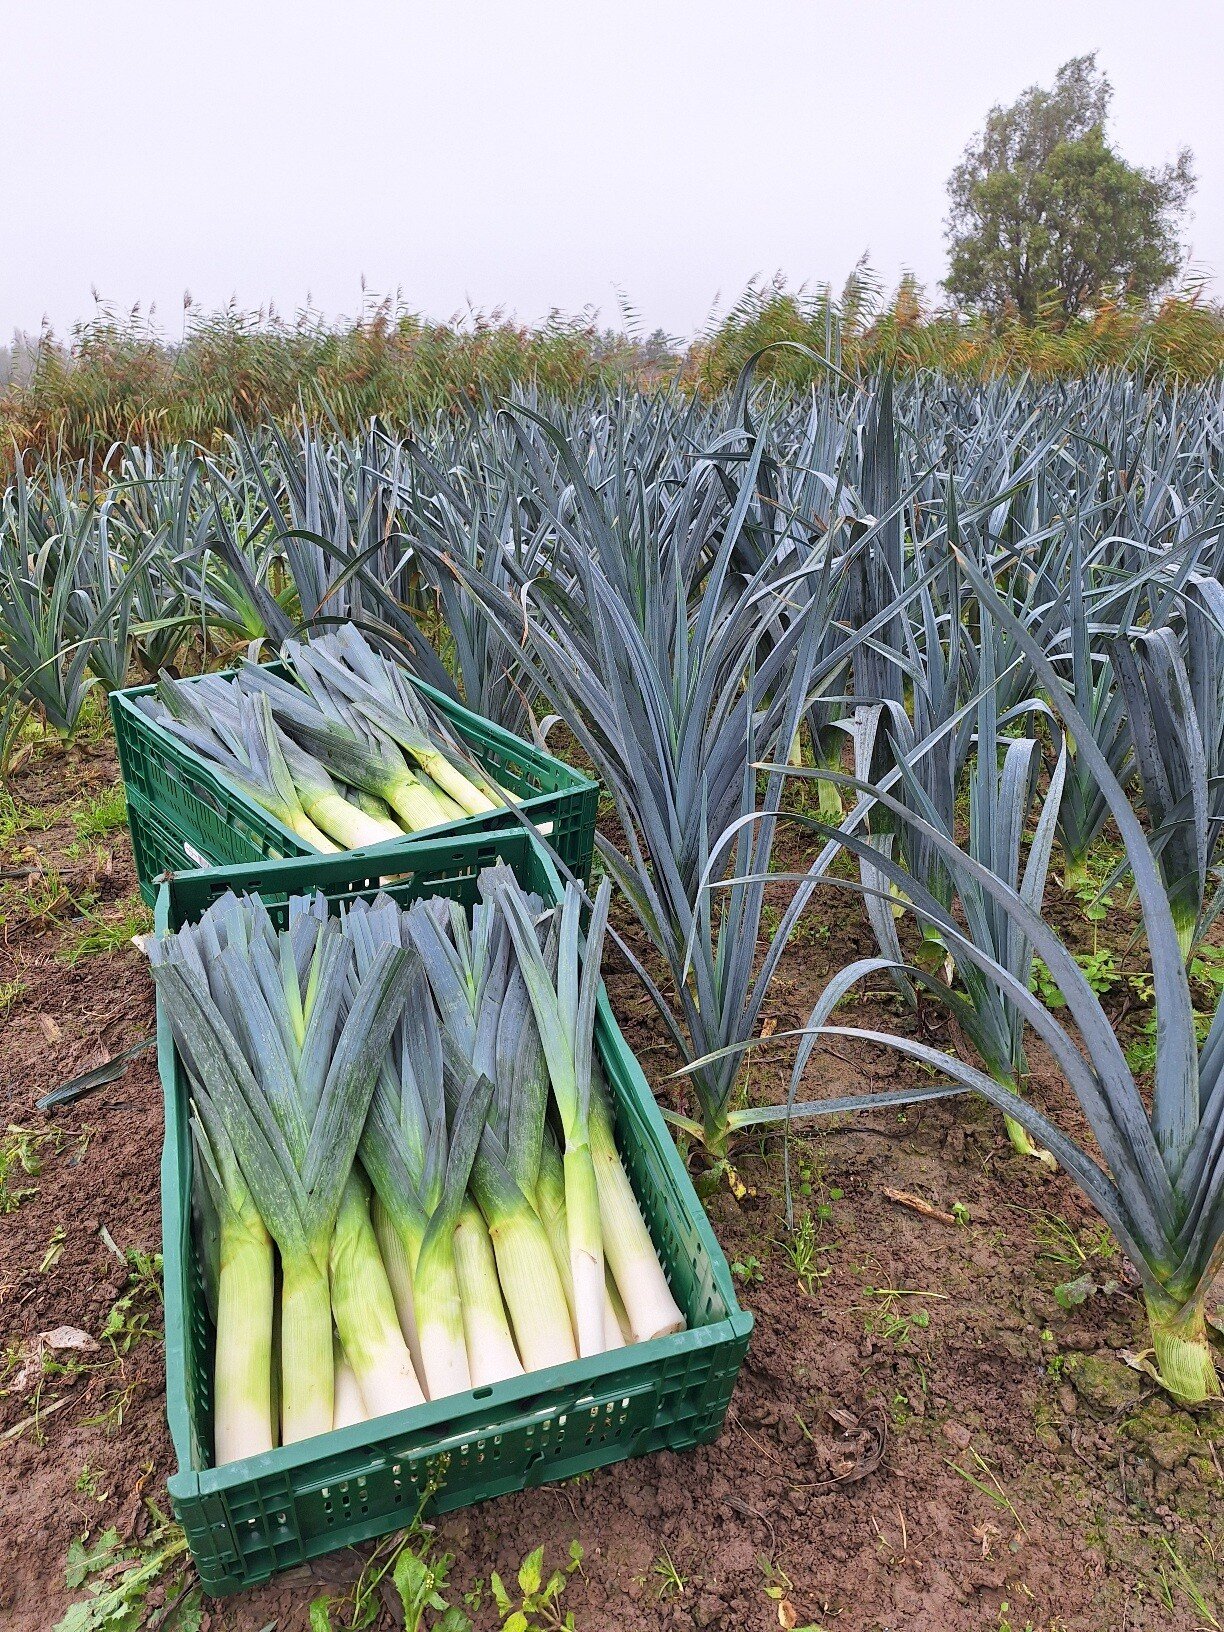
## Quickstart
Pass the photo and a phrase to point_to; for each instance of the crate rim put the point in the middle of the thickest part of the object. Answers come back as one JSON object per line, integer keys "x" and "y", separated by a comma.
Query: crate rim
{"x": 504, "y": 1398}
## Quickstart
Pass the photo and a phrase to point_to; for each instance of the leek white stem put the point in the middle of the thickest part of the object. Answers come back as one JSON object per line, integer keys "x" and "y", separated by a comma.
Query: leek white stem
{"x": 492, "y": 1356}
{"x": 365, "y": 1310}
{"x": 533, "y": 1291}
{"x": 242, "y": 1389}
{"x": 307, "y": 1379}
{"x": 652, "y": 1310}
{"x": 349, "y": 1408}
{"x": 399, "y": 1274}
{"x": 439, "y": 1317}
{"x": 583, "y": 1225}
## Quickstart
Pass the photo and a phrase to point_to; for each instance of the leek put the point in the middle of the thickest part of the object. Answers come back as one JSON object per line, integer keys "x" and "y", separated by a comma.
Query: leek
{"x": 468, "y": 972}
{"x": 565, "y": 1015}
{"x": 365, "y": 1312}
{"x": 419, "y": 1166}
{"x": 290, "y": 1084}
{"x": 242, "y": 1378}
{"x": 348, "y": 1407}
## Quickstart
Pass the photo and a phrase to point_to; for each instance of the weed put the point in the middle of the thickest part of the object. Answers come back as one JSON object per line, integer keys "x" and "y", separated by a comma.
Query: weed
{"x": 129, "y": 1318}
{"x": 747, "y": 1269}
{"x": 87, "y": 1483}
{"x": 890, "y": 1321}
{"x": 671, "y": 1582}
{"x": 55, "y": 1249}
{"x": 418, "y": 1574}
{"x": 802, "y": 1248}
{"x": 1183, "y": 1579}
{"x": 21, "y": 1153}
{"x": 101, "y": 813}
{"x": 10, "y": 992}
{"x": 960, "y": 1212}
{"x": 997, "y": 1494}
{"x": 119, "y": 1577}
{"x": 104, "y": 933}
{"x": 538, "y": 1609}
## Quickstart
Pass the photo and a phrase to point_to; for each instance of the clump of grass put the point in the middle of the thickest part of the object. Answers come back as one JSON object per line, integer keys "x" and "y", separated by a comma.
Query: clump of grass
{"x": 107, "y": 932}
{"x": 101, "y": 813}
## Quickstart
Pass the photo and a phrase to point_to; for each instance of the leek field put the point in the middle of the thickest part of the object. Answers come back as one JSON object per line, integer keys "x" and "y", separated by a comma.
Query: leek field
{"x": 904, "y": 690}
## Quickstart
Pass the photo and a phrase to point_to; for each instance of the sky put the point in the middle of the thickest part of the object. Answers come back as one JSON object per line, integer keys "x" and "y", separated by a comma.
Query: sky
{"x": 535, "y": 155}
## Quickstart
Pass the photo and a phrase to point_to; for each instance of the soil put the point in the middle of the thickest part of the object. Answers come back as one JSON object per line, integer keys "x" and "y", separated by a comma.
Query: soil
{"x": 921, "y": 1438}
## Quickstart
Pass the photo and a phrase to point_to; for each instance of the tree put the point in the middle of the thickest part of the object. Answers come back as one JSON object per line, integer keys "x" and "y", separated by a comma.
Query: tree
{"x": 1045, "y": 213}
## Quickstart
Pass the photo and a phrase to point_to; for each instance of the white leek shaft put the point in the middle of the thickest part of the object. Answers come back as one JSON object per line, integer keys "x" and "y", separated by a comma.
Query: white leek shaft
{"x": 415, "y": 805}
{"x": 651, "y": 1308}
{"x": 396, "y": 1256}
{"x": 582, "y": 1223}
{"x": 551, "y": 1207}
{"x": 307, "y": 1379}
{"x": 492, "y": 1356}
{"x": 617, "y": 1331}
{"x": 534, "y": 1294}
{"x": 306, "y": 829}
{"x": 348, "y": 825}
{"x": 439, "y": 1318}
{"x": 348, "y": 1408}
{"x": 242, "y": 1390}
{"x": 365, "y": 1311}
{"x": 454, "y": 784}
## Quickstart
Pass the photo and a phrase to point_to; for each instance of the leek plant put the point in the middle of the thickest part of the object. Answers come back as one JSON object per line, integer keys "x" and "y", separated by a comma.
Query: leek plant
{"x": 1102, "y": 707}
{"x": 419, "y": 1166}
{"x": 565, "y": 1015}
{"x": 468, "y": 969}
{"x": 1161, "y": 1189}
{"x": 243, "y": 1423}
{"x": 282, "y": 1068}
{"x": 1174, "y": 713}
{"x": 675, "y": 676}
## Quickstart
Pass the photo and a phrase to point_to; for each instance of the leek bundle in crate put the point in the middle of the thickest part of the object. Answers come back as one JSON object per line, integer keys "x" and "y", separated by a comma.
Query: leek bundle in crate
{"x": 334, "y": 748}
{"x": 492, "y": 1267}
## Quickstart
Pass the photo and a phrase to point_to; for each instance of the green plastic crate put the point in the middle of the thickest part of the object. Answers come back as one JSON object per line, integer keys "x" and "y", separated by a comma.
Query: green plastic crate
{"x": 225, "y": 828}
{"x": 250, "y": 1518}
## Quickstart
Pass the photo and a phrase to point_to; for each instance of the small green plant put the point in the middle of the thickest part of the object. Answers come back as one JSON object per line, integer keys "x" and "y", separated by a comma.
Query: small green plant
{"x": 993, "y": 1491}
{"x": 87, "y": 1483}
{"x": 1102, "y": 969}
{"x": 891, "y": 1320}
{"x": 101, "y": 813}
{"x": 1182, "y": 1578}
{"x": 21, "y": 1155}
{"x": 55, "y": 1249}
{"x": 671, "y": 1582}
{"x": 538, "y": 1609}
{"x": 130, "y": 1318}
{"x": 803, "y": 1249}
{"x": 960, "y": 1212}
{"x": 107, "y": 932}
{"x": 747, "y": 1269}
{"x": 119, "y": 1577}
{"x": 10, "y": 992}
{"x": 418, "y": 1574}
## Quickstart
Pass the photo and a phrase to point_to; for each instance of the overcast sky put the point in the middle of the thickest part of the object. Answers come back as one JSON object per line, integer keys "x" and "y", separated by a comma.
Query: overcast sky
{"x": 535, "y": 154}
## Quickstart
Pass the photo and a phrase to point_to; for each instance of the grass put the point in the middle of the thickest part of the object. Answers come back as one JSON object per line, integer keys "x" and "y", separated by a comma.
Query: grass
{"x": 107, "y": 932}
{"x": 101, "y": 813}
{"x": 115, "y": 381}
